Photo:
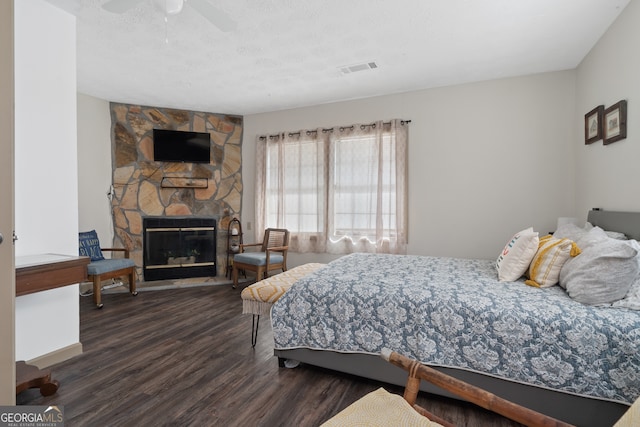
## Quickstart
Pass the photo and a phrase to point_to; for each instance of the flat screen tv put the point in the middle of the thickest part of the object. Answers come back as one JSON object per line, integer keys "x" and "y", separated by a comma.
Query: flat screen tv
{"x": 179, "y": 146}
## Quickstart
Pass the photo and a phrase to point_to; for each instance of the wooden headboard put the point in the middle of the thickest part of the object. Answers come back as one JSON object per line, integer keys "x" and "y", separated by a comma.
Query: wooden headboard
{"x": 622, "y": 222}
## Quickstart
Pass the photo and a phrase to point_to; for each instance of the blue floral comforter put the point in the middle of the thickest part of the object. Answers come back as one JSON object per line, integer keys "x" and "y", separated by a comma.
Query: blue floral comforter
{"x": 454, "y": 313}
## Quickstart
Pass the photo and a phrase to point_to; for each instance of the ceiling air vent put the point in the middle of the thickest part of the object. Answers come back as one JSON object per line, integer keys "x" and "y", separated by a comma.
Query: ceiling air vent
{"x": 358, "y": 67}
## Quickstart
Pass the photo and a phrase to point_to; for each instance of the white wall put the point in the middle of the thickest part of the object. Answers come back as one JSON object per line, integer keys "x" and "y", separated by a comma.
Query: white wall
{"x": 485, "y": 159}
{"x": 46, "y": 189}
{"x": 94, "y": 167}
{"x": 607, "y": 176}
{"x": 489, "y": 158}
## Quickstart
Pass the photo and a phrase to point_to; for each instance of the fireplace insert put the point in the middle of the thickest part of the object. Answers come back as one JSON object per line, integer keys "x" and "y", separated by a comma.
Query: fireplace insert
{"x": 178, "y": 247}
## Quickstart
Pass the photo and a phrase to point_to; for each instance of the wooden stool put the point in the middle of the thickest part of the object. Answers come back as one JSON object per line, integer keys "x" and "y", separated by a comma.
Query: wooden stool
{"x": 29, "y": 376}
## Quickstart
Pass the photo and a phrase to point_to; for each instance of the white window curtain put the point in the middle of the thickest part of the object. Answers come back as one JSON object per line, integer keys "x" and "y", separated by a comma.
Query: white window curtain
{"x": 338, "y": 190}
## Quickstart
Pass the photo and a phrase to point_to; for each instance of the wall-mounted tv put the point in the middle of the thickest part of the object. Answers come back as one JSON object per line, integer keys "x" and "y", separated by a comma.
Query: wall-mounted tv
{"x": 179, "y": 146}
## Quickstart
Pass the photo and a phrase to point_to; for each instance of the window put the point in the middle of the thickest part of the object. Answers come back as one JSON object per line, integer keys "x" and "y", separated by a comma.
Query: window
{"x": 336, "y": 190}
{"x": 363, "y": 184}
{"x": 295, "y": 186}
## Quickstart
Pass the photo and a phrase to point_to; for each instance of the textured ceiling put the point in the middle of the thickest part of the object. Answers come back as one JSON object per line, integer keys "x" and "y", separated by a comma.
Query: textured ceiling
{"x": 288, "y": 53}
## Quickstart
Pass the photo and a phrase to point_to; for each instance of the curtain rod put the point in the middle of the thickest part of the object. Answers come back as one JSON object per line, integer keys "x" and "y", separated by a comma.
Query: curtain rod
{"x": 324, "y": 130}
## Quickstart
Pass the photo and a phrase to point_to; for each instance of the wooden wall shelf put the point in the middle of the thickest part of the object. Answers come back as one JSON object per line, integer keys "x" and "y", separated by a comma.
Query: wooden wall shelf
{"x": 183, "y": 182}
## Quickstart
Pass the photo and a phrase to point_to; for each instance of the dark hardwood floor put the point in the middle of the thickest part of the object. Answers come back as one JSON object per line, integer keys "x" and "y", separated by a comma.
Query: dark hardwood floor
{"x": 183, "y": 357}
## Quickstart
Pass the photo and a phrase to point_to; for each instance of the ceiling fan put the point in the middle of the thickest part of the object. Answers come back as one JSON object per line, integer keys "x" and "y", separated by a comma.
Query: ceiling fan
{"x": 172, "y": 7}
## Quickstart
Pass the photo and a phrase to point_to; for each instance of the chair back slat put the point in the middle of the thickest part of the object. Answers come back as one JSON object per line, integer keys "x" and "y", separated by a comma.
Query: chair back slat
{"x": 275, "y": 237}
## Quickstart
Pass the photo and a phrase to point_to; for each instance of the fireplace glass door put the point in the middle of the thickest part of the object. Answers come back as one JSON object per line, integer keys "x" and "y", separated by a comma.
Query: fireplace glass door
{"x": 175, "y": 248}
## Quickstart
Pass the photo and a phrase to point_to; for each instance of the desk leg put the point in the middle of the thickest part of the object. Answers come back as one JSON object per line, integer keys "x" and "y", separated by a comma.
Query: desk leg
{"x": 29, "y": 376}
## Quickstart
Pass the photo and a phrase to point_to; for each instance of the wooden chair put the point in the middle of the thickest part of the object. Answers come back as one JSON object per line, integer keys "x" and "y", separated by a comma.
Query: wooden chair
{"x": 101, "y": 268}
{"x": 272, "y": 255}
{"x": 417, "y": 371}
{"x": 106, "y": 269}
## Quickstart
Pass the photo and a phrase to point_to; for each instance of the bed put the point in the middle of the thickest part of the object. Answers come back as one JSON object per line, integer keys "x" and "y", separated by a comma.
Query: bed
{"x": 537, "y": 347}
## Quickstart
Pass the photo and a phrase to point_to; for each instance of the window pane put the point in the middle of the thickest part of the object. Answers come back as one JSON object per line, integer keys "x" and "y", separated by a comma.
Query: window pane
{"x": 358, "y": 174}
{"x": 297, "y": 175}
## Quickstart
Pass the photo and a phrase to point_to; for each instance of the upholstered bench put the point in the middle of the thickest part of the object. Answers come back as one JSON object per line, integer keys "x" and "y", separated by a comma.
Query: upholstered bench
{"x": 258, "y": 298}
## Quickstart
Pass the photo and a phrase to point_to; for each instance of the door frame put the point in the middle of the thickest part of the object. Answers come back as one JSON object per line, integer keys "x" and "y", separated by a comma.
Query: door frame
{"x": 7, "y": 253}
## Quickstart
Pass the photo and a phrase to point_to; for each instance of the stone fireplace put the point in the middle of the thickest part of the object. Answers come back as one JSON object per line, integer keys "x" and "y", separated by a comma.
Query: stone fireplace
{"x": 145, "y": 188}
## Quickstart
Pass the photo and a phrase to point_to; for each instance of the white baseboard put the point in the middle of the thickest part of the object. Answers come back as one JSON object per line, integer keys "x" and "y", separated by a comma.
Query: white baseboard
{"x": 57, "y": 356}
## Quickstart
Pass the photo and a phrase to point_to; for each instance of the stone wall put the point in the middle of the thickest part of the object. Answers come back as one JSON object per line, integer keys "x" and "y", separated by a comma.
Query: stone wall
{"x": 138, "y": 188}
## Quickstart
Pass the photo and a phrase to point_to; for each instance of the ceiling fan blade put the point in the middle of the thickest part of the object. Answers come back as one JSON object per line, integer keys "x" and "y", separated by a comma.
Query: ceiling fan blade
{"x": 120, "y": 6}
{"x": 216, "y": 16}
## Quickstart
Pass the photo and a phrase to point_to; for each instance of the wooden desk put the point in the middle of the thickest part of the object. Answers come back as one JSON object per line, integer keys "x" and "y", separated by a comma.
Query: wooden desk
{"x": 37, "y": 273}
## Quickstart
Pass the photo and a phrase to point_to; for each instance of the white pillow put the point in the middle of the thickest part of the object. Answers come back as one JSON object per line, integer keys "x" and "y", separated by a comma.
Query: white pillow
{"x": 603, "y": 272}
{"x": 595, "y": 236}
{"x": 616, "y": 235}
{"x": 571, "y": 232}
{"x": 575, "y": 233}
{"x": 516, "y": 256}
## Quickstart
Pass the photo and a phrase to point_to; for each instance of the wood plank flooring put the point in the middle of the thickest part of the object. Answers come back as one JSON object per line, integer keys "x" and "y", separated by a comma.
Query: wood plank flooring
{"x": 184, "y": 357}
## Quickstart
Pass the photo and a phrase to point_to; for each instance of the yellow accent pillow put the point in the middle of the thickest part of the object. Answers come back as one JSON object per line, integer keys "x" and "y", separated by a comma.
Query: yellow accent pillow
{"x": 546, "y": 264}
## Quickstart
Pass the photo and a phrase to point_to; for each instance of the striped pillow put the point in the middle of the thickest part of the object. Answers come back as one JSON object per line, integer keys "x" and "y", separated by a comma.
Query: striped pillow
{"x": 552, "y": 253}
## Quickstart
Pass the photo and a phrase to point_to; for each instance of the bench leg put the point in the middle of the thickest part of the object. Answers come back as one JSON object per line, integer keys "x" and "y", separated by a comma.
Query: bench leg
{"x": 97, "y": 297}
{"x": 255, "y": 322}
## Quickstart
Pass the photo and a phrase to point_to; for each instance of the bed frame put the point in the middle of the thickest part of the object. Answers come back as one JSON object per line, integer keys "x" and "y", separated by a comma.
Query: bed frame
{"x": 623, "y": 222}
{"x": 574, "y": 409}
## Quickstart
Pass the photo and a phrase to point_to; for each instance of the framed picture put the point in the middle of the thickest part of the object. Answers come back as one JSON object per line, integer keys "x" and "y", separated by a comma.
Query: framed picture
{"x": 593, "y": 125}
{"x": 614, "y": 122}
